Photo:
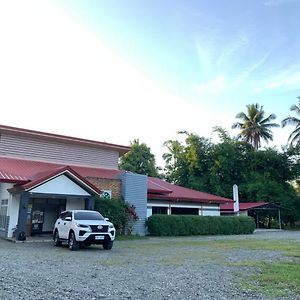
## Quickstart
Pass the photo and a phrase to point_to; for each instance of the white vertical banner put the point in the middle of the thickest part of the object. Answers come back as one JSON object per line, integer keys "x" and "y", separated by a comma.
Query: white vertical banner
{"x": 236, "y": 205}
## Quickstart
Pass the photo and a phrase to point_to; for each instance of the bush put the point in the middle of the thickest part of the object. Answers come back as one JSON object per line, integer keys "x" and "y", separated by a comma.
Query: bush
{"x": 176, "y": 225}
{"x": 118, "y": 211}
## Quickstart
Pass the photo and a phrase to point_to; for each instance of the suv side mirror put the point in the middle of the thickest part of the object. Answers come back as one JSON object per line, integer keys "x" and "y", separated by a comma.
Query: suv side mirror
{"x": 68, "y": 219}
{"x": 106, "y": 219}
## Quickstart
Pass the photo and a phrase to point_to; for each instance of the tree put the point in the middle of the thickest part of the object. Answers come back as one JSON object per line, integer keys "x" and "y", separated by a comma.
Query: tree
{"x": 262, "y": 175}
{"x": 254, "y": 126}
{"x": 119, "y": 212}
{"x": 139, "y": 160}
{"x": 294, "y": 137}
{"x": 186, "y": 163}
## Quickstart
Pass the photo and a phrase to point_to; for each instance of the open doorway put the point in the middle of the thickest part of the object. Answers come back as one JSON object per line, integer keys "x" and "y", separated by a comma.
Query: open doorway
{"x": 42, "y": 214}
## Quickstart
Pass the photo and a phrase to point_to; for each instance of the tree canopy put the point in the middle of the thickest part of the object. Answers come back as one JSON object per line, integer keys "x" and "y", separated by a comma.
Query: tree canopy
{"x": 262, "y": 175}
{"x": 294, "y": 137}
{"x": 254, "y": 126}
{"x": 139, "y": 159}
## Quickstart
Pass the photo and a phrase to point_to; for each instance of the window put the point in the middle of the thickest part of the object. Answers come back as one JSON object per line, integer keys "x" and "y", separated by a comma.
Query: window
{"x": 184, "y": 211}
{"x": 157, "y": 210}
{"x": 66, "y": 214}
{"x": 88, "y": 215}
{"x": 3, "y": 213}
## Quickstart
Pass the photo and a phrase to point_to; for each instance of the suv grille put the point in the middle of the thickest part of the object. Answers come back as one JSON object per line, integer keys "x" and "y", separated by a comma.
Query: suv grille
{"x": 96, "y": 229}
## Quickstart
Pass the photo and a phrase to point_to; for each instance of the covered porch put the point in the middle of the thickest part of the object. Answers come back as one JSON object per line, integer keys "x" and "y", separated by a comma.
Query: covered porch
{"x": 37, "y": 204}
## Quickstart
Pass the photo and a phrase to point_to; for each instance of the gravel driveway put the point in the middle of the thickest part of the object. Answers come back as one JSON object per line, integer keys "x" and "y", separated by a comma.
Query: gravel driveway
{"x": 154, "y": 268}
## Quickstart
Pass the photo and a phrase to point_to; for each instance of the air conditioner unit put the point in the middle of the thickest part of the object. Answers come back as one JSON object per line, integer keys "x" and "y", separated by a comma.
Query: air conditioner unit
{"x": 106, "y": 194}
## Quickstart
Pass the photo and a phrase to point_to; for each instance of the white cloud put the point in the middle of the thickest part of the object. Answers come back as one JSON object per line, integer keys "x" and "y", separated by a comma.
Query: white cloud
{"x": 216, "y": 86}
{"x": 56, "y": 76}
{"x": 286, "y": 80}
{"x": 278, "y": 2}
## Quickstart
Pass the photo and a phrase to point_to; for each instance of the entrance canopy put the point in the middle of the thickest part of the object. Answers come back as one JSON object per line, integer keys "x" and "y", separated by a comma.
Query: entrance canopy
{"x": 49, "y": 193}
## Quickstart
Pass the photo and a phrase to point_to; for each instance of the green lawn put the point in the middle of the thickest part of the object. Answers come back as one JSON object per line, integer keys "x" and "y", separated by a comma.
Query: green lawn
{"x": 278, "y": 278}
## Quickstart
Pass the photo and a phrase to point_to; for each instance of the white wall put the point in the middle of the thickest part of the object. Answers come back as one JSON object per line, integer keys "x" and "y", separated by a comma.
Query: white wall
{"x": 149, "y": 211}
{"x": 60, "y": 185}
{"x": 75, "y": 203}
{"x": 211, "y": 210}
{"x": 204, "y": 209}
{"x": 13, "y": 209}
{"x": 243, "y": 213}
{"x": 4, "y": 194}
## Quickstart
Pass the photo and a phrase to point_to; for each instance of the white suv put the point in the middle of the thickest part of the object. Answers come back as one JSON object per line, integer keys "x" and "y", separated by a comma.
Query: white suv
{"x": 83, "y": 227}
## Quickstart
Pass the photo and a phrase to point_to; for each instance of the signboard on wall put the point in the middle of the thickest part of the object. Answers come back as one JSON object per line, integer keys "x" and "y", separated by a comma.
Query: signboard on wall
{"x": 106, "y": 194}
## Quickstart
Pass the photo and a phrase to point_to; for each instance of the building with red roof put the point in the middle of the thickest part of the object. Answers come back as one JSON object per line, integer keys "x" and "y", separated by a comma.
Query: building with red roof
{"x": 42, "y": 174}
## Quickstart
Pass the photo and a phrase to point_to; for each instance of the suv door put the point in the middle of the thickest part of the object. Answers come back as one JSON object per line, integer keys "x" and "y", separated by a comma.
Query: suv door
{"x": 65, "y": 225}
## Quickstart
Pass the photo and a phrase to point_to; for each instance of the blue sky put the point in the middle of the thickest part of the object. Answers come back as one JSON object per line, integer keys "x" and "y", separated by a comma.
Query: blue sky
{"x": 118, "y": 70}
{"x": 247, "y": 49}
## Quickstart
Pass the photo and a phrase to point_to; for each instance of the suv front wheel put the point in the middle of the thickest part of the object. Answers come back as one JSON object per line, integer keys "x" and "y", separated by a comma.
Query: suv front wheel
{"x": 56, "y": 240}
{"x": 108, "y": 245}
{"x": 73, "y": 244}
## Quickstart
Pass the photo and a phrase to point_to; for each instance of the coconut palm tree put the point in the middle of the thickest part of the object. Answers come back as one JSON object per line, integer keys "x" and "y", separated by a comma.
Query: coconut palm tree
{"x": 254, "y": 126}
{"x": 294, "y": 137}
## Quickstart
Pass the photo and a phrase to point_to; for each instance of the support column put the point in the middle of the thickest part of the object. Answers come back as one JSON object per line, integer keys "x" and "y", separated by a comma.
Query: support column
{"x": 279, "y": 218}
{"x": 22, "y": 218}
{"x": 89, "y": 203}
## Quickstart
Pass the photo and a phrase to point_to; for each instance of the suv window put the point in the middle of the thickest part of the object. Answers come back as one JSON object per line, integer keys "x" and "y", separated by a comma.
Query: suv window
{"x": 88, "y": 215}
{"x": 62, "y": 215}
{"x": 65, "y": 214}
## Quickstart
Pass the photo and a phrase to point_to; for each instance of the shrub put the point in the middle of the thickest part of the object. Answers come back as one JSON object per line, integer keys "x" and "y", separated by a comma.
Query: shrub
{"x": 176, "y": 225}
{"x": 118, "y": 211}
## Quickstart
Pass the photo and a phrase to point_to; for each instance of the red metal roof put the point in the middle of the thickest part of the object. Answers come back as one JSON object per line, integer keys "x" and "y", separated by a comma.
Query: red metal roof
{"x": 29, "y": 173}
{"x": 243, "y": 206}
{"x": 20, "y": 171}
{"x": 156, "y": 187}
{"x": 181, "y": 193}
{"x": 21, "y": 131}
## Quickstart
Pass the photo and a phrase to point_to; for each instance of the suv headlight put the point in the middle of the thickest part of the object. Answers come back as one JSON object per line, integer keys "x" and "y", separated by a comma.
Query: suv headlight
{"x": 87, "y": 227}
{"x": 111, "y": 226}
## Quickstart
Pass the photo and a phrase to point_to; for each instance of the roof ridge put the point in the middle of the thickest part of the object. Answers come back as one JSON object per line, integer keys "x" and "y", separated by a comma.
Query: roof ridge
{"x": 62, "y": 137}
{"x": 159, "y": 184}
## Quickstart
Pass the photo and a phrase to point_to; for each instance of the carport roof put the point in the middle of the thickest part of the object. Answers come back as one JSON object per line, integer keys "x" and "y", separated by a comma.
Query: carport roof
{"x": 244, "y": 206}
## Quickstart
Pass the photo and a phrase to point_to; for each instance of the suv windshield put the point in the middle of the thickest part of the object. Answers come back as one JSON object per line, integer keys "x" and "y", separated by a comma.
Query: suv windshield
{"x": 88, "y": 215}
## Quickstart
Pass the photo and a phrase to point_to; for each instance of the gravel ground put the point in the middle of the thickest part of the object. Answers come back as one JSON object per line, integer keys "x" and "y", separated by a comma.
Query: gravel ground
{"x": 155, "y": 268}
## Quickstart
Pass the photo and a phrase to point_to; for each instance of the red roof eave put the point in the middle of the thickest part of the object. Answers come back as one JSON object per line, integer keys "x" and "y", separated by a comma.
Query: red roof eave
{"x": 5, "y": 180}
{"x": 186, "y": 199}
{"x": 242, "y": 206}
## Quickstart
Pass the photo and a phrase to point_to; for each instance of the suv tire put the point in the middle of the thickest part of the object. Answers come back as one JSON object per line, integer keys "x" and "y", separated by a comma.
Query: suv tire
{"x": 73, "y": 244}
{"x": 56, "y": 240}
{"x": 108, "y": 245}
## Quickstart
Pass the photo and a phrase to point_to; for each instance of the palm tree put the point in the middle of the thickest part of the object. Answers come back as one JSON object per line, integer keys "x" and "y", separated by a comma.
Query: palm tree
{"x": 254, "y": 126}
{"x": 294, "y": 137}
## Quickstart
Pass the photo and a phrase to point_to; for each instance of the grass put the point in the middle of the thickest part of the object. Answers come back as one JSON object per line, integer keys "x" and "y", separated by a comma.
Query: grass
{"x": 130, "y": 237}
{"x": 278, "y": 279}
{"x": 273, "y": 279}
